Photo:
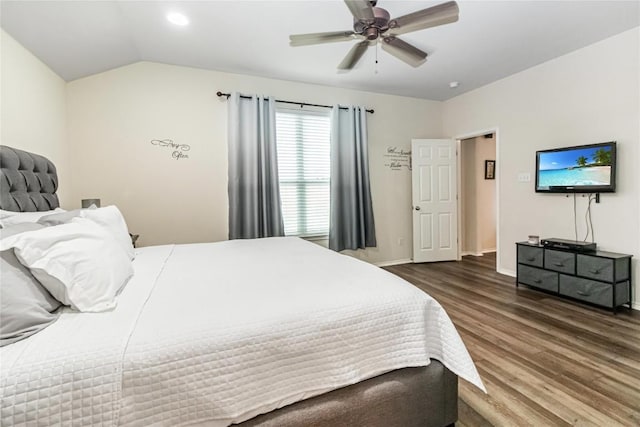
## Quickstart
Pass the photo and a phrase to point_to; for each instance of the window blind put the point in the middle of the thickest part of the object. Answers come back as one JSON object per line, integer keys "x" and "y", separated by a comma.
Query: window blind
{"x": 303, "y": 167}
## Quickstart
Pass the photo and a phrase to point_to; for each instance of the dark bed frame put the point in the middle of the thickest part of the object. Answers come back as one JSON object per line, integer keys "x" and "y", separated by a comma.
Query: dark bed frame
{"x": 425, "y": 396}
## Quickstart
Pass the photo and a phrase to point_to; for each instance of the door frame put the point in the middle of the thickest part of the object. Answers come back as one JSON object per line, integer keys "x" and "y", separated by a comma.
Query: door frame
{"x": 496, "y": 131}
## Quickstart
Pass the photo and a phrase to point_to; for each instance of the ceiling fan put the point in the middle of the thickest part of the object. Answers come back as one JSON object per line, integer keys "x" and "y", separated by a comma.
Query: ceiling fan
{"x": 372, "y": 24}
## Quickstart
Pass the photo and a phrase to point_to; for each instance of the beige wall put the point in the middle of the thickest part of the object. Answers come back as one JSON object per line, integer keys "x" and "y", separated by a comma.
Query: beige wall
{"x": 587, "y": 96}
{"x": 468, "y": 205}
{"x": 113, "y": 116}
{"x": 486, "y": 223}
{"x": 33, "y": 108}
{"x": 478, "y": 197}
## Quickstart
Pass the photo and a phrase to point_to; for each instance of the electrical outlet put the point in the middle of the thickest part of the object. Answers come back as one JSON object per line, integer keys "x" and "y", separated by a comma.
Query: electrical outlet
{"x": 524, "y": 177}
{"x": 400, "y": 241}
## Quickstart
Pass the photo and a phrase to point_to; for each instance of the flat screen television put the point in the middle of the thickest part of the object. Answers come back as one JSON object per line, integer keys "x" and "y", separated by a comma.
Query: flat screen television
{"x": 580, "y": 169}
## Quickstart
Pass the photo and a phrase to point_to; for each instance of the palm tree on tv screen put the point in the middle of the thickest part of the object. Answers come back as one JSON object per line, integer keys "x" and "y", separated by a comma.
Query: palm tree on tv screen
{"x": 602, "y": 157}
{"x": 582, "y": 161}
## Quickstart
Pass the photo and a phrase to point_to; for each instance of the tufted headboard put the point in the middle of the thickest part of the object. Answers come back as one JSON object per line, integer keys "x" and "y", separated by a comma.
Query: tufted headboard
{"x": 28, "y": 182}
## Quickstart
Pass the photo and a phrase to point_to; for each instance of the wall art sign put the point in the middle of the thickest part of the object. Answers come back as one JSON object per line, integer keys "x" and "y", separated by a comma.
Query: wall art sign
{"x": 178, "y": 150}
{"x": 489, "y": 169}
{"x": 397, "y": 158}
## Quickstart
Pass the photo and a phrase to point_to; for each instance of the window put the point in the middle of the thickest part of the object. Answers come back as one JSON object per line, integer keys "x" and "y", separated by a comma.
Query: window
{"x": 303, "y": 167}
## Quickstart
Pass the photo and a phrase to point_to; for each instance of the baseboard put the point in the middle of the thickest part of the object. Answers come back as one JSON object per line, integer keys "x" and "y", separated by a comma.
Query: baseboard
{"x": 485, "y": 251}
{"x": 396, "y": 262}
{"x": 507, "y": 272}
{"x": 471, "y": 254}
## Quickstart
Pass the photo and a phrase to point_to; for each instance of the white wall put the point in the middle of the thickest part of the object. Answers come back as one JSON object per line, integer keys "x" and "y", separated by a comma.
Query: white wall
{"x": 113, "y": 116}
{"x": 587, "y": 96}
{"x": 33, "y": 108}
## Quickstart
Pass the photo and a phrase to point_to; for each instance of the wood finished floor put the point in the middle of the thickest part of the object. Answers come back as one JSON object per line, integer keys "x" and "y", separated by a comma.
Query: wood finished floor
{"x": 544, "y": 361}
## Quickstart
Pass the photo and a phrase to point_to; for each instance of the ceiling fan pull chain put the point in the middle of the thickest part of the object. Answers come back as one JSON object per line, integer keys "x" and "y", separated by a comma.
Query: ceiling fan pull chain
{"x": 376, "y": 68}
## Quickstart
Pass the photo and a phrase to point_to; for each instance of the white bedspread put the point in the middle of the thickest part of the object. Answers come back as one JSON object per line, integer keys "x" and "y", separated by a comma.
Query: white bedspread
{"x": 218, "y": 333}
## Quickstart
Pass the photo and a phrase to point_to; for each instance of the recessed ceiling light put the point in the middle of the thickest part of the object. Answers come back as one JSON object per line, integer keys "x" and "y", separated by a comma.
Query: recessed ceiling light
{"x": 177, "y": 19}
{"x": 454, "y": 85}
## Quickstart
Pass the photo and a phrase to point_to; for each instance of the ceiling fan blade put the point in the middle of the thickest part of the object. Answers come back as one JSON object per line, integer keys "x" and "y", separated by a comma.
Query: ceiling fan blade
{"x": 441, "y": 14}
{"x": 404, "y": 51}
{"x": 317, "y": 38}
{"x": 360, "y": 9}
{"x": 354, "y": 55}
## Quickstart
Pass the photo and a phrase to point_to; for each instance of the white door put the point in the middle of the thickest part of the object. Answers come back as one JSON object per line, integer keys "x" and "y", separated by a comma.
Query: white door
{"x": 434, "y": 195}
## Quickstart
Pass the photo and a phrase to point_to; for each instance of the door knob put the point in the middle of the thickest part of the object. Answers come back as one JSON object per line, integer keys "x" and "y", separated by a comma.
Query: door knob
{"x": 417, "y": 208}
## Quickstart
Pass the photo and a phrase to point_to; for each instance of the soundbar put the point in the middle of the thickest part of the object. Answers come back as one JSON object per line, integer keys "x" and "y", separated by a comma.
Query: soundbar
{"x": 570, "y": 245}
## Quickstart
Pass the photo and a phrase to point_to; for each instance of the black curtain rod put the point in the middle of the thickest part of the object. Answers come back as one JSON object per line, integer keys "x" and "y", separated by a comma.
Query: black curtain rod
{"x": 292, "y": 102}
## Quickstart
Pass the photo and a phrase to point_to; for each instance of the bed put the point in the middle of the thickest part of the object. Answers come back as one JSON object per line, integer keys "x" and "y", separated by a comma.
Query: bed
{"x": 264, "y": 332}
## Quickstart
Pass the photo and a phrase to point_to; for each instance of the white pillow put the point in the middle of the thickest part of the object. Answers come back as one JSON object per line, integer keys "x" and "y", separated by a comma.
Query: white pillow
{"x": 112, "y": 220}
{"x": 79, "y": 263}
{"x": 11, "y": 218}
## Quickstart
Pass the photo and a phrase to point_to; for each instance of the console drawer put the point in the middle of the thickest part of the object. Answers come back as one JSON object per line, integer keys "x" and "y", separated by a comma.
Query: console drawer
{"x": 530, "y": 255}
{"x": 605, "y": 269}
{"x": 595, "y": 267}
{"x": 538, "y": 278}
{"x": 563, "y": 262}
{"x": 593, "y": 291}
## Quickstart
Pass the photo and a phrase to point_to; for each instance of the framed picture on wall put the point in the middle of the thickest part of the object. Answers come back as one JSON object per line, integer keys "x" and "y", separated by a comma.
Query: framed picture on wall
{"x": 489, "y": 169}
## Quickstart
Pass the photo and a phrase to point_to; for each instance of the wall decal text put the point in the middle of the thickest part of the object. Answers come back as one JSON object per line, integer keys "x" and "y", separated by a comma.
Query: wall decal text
{"x": 178, "y": 150}
{"x": 397, "y": 158}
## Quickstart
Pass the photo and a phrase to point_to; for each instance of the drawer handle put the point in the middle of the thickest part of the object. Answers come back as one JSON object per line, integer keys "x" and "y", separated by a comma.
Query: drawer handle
{"x": 558, "y": 264}
{"x": 583, "y": 293}
{"x": 537, "y": 281}
{"x": 531, "y": 259}
{"x": 597, "y": 271}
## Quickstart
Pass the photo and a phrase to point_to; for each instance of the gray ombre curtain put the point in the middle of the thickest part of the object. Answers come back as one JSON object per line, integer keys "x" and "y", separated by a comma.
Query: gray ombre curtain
{"x": 351, "y": 222}
{"x": 254, "y": 194}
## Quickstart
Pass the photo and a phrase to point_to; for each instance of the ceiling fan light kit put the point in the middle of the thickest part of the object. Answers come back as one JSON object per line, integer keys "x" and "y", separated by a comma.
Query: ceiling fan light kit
{"x": 373, "y": 24}
{"x": 371, "y": 28}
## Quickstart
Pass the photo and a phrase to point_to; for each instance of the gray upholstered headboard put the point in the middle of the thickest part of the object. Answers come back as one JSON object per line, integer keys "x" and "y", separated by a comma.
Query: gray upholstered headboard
{"x": 28, "y": 182}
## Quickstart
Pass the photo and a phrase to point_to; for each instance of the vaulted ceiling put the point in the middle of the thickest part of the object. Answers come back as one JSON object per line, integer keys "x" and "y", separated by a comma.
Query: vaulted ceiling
{"x": 491, "y": 40}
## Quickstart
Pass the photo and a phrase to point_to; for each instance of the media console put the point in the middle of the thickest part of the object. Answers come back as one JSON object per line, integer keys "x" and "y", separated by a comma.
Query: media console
{"x": 569, "y": 245}
{"x": 598, "y": 277}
